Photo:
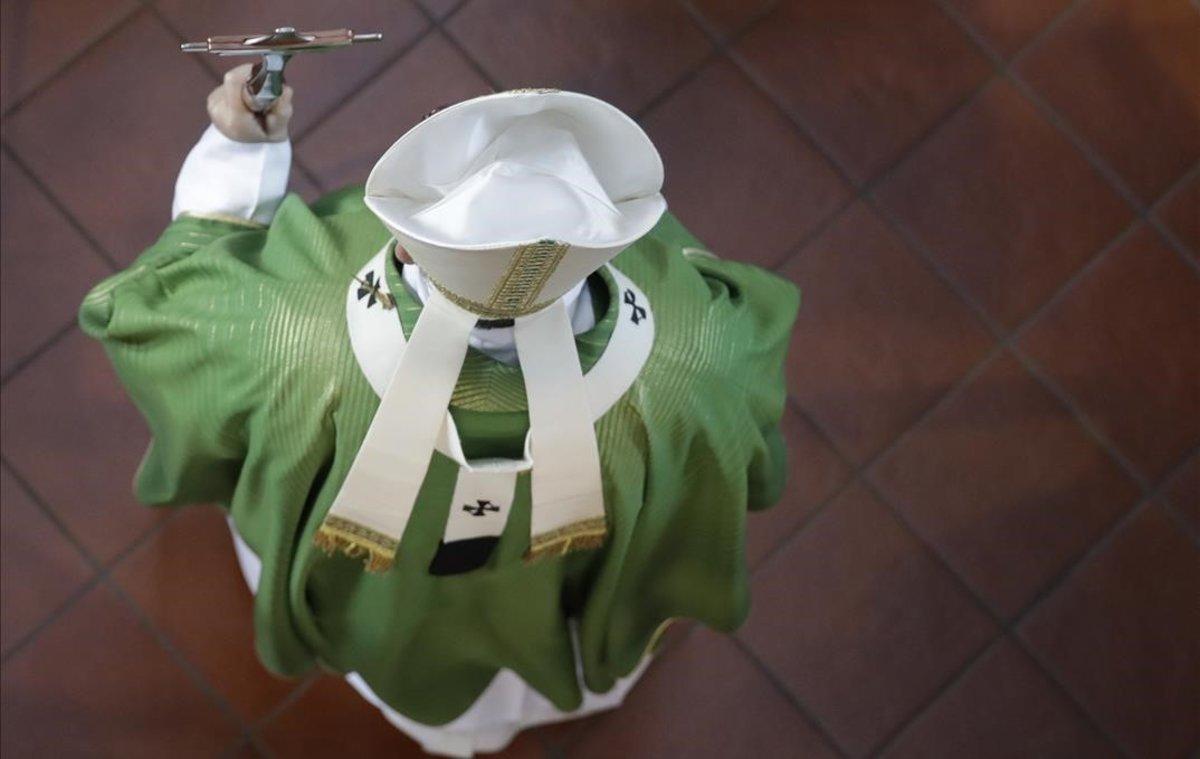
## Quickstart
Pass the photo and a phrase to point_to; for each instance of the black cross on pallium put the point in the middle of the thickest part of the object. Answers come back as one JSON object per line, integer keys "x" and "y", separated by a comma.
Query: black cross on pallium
{"x": 639, "y": 313}
{"x": 480, "y": 507}
{"x": 369, "y": 289}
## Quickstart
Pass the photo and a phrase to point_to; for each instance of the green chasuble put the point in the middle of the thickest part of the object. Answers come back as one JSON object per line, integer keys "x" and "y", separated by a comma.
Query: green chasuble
{"x": 232, "y": 340}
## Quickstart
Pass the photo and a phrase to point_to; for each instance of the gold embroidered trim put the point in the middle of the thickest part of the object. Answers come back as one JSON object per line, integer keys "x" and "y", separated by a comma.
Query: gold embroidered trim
{"x": 530, "y": 267}
{"x": 339, "y": 535}
{"x": 515, "y": 292}
{"x": 577, "y": 536}
{"x": 227, "y": 218}
{"x": 482, "y": 309}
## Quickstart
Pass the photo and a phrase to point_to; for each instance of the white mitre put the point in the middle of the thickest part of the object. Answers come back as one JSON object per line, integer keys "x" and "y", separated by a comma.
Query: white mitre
{"x": 506, "y": 202}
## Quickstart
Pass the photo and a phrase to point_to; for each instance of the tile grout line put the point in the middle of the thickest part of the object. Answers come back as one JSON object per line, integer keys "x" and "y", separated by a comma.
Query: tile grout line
{"x": 1176, "y": 187}
{"x": 254, "y": 728}
{"x": 97, "y": 567}
{"x": 59, "y": 206}
{"x": 858, "y": 476}
{"x": 1005, "y": 343}
{"x": 809, "y": 716}
{"x": 95, "y": 248}
{"x": 181, "y": 660}
{"x": 84, "y": 588}
{"x": 347, "y": 97}
{"x": 1011, "y": 338}
{"x": 863, "y": 189}
{"x": 1004, "y": 629}
{"x": 858, "y": 472}
{"x": 718, "y": 48}
{"x": 1070, "y": 570}
{"x": 120, "y": 23}
{"x": 1154, "y": 210}
{"x": 166, "y": 25}
{"x": 859, "y": 191}
{"x": 236, "y": 747}
{"x": 309, "y": 175}
{"x": 440, "y": 26}
{"x": 1099, "y": 545}
{"x": 851, "y": 478}
{"x": 952, "y": 683}
{"x": 37, "y": 352}
{"x": 564, "y": 749}
{"x": 78, "y": 227}
{"x": 1169, "y": 503}
{"x": 1008, "y": 339}
{"x": 1001, "y": 622}
{"x": 1003, "y": 337}
{"x": 852, "y": 474}
{"x": 1109, "y": 447}
{"x": 103, "y": 575}
{"x": 720, "y": 44}
{"x": 1006, "y": 71}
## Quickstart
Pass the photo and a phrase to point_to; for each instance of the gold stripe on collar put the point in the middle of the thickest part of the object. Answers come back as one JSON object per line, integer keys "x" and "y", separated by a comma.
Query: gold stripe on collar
{"x": 517, "y": 289}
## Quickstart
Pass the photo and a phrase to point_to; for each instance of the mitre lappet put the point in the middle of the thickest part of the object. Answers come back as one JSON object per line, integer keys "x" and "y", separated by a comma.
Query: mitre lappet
{"x": 506, "y": 203}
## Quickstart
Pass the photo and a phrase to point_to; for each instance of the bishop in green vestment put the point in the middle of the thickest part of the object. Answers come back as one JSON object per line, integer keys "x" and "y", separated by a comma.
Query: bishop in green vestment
{"x": 258, "y": 354}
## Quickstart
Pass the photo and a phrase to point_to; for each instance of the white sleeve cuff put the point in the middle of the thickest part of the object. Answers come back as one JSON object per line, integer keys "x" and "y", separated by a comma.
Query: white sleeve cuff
{"x": 243, "y": 179}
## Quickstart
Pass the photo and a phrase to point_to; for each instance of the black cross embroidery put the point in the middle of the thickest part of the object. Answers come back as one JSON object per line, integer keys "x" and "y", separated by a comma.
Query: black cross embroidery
{"x": 369, "y": 289}
{"x": 480, "y": 507}
{"x": 639, "y": 313}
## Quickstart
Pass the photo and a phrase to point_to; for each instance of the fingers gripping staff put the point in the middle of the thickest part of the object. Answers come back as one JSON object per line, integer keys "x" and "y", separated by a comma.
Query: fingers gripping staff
{"x": 506, "y": 202}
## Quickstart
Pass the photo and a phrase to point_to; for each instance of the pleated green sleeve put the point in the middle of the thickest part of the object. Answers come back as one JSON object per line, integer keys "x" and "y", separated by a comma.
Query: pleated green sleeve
{"x": 164, "y": 325}
{"x": 765, "y": 306}
{"x": 694, "y": 446}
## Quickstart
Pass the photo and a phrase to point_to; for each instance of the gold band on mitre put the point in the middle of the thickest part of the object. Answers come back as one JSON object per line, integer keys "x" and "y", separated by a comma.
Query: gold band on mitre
{"x": 577, "y": 536}
{"x": 339, "y": 535}
{"x": 516, "y": 291}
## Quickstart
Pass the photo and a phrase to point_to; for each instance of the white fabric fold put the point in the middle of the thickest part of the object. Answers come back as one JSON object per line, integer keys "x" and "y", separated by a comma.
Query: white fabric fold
{"x": 246, "y": 180}
{"x": 483, "y": 496}
{"x": 381, "y": 487}
{"x": 563, "y": 404}
{"x": 498, "y": 342}
{"x": 538, "y": 160}
{"x": 566, "y": 487}
{"x": 470, "y": 190}
{"x": 507, "y": 706}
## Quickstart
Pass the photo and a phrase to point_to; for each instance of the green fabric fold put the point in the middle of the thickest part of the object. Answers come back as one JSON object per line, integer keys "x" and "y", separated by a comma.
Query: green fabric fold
{"x": 232, "y": 342}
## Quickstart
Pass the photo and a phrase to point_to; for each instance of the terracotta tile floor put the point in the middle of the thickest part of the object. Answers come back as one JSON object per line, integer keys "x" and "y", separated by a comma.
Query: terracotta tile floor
{"x": 989, "y": 546}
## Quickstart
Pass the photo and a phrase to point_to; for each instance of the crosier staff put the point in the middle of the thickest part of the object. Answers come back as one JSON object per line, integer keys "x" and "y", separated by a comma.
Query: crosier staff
{"x": 265, "y": 82}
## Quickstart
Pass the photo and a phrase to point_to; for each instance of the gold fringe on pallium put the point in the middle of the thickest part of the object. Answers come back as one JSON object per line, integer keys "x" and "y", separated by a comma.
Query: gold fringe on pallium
{"x": 577, "y": 536}
{"x": 338, "y": 535}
